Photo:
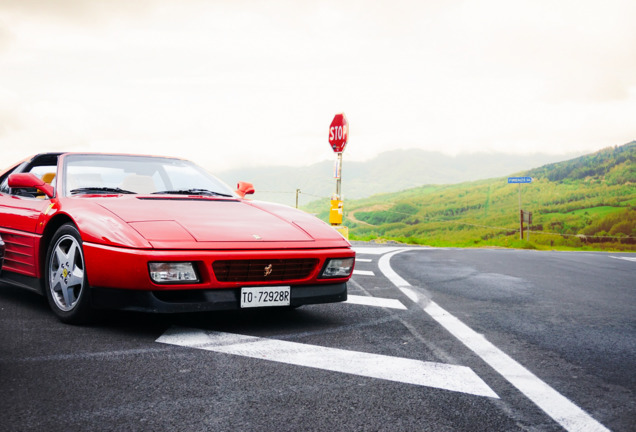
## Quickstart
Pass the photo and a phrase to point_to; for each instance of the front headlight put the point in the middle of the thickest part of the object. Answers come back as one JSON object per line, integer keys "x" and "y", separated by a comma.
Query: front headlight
{"x": 337, "y": 268}
{"x": 173, "y": 272}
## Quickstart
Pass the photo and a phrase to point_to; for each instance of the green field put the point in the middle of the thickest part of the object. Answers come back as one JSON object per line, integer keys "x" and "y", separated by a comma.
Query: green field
{"x": 587, "y": 203}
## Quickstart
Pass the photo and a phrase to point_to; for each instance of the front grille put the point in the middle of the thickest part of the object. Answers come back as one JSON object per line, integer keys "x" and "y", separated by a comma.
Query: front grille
{"x": 263, "y": 270}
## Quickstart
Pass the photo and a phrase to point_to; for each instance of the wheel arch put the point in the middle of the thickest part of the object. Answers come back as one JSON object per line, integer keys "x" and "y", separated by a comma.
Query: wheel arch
{"x": 49, "y": 231}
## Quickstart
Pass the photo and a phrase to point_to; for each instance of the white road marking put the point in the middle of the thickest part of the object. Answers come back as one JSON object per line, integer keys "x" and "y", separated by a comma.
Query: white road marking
{"x": 376, "y": 301}
{"x": 557, "y": 406}
{"x": 365, "y": 260}
{"x": 363, "y": 273}
{"x": 409, "y": 371}
{"x": 611, "y": 256}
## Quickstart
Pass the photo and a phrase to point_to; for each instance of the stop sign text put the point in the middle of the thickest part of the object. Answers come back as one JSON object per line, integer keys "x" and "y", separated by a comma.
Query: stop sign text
{"x": 338, "y": 133}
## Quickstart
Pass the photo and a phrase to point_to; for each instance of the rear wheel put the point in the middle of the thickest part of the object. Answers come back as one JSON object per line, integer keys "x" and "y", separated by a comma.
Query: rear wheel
{"x": 66, "y": 283}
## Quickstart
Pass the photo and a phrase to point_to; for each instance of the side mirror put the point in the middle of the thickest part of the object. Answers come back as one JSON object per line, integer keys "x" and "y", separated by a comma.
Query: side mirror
{"x": 28, "y": 180}
{"x": 244, "y": 188}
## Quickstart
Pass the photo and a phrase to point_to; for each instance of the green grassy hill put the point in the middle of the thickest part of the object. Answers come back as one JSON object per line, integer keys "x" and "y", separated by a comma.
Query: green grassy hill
{"x": 391, "y": 171}
{"x": 584, "y": 203}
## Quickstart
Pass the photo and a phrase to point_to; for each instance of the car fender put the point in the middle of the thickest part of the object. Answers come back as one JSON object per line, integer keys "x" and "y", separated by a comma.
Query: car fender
{"x": 98, "y": 225}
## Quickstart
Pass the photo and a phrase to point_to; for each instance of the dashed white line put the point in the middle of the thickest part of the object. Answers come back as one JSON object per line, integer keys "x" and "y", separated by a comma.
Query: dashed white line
{"x": 557, "y": 406}
{"x": 375, "y": 250}
{"x": 363, "y": 273}
{"x": 430, "y": 374}
{"x": 376, "y": 301}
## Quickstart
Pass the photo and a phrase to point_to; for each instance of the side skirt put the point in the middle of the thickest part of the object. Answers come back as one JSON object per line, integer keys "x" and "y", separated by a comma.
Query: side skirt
{"x": 29, "y": 282}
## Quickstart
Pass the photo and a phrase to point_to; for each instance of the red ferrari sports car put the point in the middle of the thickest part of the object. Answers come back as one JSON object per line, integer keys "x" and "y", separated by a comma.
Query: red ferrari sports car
{"x": 158, "y": 234}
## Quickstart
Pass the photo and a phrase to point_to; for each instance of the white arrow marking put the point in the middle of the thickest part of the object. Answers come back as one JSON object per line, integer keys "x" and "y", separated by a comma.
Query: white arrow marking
{"x": 623, "y": 258}
{"x": 437, "y": 375}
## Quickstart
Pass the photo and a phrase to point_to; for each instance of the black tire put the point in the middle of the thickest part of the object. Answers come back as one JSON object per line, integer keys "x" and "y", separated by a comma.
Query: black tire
{"x": 65, "y": 280}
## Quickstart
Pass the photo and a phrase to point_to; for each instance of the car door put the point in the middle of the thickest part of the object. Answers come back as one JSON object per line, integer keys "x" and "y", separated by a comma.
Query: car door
{"x": 20, "y": 215}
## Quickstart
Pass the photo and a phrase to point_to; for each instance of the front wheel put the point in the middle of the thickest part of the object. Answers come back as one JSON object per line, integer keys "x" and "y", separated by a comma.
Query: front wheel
{"x": 66, "y": 283}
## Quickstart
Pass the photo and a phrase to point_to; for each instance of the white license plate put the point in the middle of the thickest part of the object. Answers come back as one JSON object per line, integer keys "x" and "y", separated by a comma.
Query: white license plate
{"x": 265, "y": 296}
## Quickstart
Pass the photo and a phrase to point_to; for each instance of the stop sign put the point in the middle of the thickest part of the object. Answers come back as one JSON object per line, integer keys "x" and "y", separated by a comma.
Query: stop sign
{"x": 339, "y": 133}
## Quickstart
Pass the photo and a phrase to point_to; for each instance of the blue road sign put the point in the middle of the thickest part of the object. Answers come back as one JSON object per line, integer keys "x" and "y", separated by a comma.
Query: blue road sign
{"x": 519, "y": 179}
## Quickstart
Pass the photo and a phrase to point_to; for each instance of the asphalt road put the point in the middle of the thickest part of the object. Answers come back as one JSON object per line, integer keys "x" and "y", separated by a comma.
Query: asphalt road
{"x": 431, "y": 339}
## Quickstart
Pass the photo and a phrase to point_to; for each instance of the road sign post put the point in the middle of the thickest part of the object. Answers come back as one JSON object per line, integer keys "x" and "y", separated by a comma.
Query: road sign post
{"x": 338, "y": 138}
{"x": 519, "y": 181}
{"x": 526, "y": 217}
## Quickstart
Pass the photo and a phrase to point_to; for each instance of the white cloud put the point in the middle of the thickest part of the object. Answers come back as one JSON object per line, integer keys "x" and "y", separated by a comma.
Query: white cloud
{"x": 248, "y": 83}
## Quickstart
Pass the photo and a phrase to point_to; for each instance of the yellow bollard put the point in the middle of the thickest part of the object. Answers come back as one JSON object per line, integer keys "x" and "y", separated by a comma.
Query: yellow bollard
{"x": 335, "y": 214}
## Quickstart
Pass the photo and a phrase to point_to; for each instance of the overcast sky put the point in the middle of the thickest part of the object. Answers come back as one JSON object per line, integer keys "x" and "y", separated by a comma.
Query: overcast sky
{"x": 241, "y": 83}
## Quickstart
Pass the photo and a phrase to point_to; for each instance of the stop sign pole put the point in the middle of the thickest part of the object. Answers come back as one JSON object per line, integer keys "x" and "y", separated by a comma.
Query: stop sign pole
{"x": 338, "y": 137}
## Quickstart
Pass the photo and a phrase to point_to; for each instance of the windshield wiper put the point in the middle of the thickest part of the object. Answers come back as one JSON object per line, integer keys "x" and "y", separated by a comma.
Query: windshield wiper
{"x": 89, "y": 190}
{"x": 192, "y": 192}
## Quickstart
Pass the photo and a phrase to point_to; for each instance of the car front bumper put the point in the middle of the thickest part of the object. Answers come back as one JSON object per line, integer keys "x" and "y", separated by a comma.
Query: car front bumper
{"x": 198, "y": 300}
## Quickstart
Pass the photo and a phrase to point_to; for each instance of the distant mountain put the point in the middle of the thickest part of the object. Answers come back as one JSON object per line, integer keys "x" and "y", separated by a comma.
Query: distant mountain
{"x": 390, "y": 171}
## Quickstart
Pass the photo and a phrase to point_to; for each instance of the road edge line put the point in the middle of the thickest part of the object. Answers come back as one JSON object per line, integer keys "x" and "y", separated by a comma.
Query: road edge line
{"x": 553, "y": 403}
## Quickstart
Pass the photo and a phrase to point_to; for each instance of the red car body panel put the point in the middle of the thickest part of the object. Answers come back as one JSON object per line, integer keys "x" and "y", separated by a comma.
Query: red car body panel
{"x": 203, "y": 219}
{"x": 122, "y": 233}
{"x": 21, "y": 253}
{"x": 1, "y": 253}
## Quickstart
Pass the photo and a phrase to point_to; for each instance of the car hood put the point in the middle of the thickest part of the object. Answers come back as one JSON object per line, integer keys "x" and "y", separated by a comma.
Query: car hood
{"x": 198, "y": 220}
